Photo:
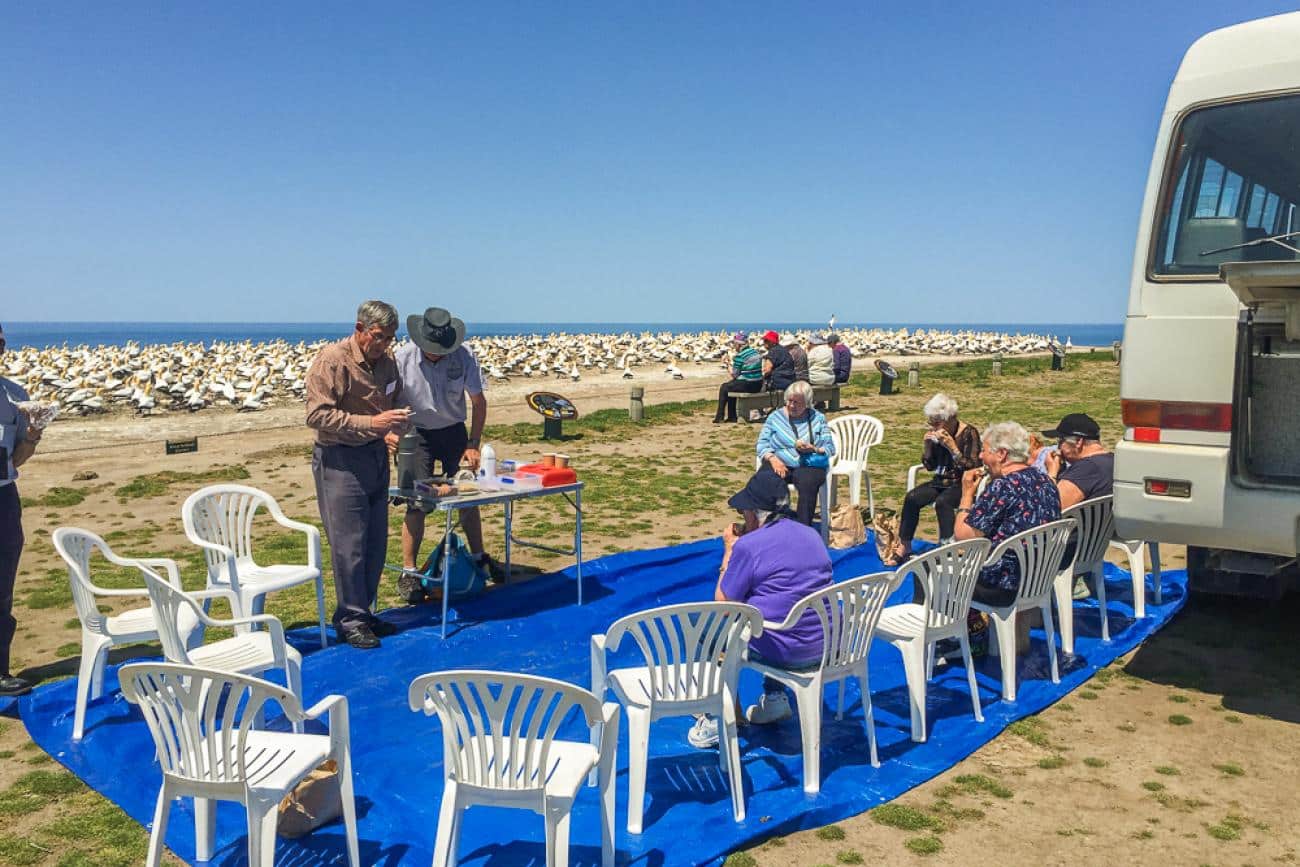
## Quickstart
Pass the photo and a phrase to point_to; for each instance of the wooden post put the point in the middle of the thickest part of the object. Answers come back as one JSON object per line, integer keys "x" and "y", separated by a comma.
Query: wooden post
{"x": 914, "y": 374}
{"x": 636, "y": 404}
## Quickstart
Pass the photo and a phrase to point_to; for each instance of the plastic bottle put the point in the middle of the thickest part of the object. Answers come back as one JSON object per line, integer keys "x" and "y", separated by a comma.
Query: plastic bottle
{"x": 488, "y": 462}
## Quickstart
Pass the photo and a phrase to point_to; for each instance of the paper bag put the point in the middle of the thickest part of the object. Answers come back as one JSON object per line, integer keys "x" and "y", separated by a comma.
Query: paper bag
{"x": 314, "y": 802}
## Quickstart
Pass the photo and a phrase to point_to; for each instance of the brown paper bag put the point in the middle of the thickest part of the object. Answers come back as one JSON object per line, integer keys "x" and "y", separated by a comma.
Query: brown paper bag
{"x": 314, "y": 802}
{"x": 847, "y": 529}
{"x": 885, "y": 524}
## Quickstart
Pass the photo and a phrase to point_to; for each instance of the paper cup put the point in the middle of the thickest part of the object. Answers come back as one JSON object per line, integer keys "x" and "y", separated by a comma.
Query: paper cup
{"x": 548, "y": 459}
{"x": 561, "y": 460}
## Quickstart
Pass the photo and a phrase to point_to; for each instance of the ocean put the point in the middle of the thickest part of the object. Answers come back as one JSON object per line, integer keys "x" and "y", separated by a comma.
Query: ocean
{"x": 42, "y": 334}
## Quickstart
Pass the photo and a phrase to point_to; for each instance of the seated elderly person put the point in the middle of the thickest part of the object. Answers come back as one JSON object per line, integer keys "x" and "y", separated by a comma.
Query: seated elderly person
{"x": 770, "y": 562}
{"x": 821, "y": 361}
{"x": 949, "y": 448}
{"x": 796, "y": 445}
{"x": 1017, "y": 498}
{"x": 746, "y": 377}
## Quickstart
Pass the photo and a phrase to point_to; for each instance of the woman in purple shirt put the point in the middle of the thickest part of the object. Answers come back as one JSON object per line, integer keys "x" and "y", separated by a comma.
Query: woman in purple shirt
{"x": 771, "y": 563}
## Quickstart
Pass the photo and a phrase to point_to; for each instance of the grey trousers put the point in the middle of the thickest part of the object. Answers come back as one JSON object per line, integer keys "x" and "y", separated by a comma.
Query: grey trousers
{"x": 352, "y": 493}
{"x": 11, "y": 547}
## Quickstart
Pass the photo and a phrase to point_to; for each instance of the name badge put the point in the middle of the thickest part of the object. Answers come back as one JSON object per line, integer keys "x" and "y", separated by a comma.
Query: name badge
{"x": 392, "y": 386}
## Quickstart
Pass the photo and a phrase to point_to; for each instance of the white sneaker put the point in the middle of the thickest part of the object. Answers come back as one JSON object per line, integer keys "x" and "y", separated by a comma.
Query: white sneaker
{"x": 772, "y": 707}
{"x": 704, "y": 734}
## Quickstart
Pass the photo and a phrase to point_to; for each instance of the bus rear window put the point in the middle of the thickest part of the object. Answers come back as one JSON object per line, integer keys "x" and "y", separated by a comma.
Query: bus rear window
{"x": 1232, "y": 187}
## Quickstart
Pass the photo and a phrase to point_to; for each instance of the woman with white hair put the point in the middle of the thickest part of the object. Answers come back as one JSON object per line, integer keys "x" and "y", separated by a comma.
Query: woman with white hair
{"x": 796, "y": 444}
{"x": 949, "y": 448}
{"x": 1018, "y": 497}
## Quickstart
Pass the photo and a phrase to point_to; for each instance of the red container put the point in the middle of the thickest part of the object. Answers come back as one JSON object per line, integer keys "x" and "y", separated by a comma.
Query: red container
{"x": 551, "y": 476}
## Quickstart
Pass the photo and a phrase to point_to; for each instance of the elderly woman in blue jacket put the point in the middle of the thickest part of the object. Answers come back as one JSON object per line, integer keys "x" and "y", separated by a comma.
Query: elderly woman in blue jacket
{"x": 796, "y": 445}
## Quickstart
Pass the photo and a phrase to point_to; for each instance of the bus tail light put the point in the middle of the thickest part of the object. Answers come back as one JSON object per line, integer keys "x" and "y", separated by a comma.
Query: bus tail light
{"x": 1149, "y": 417}
{"x": 1168, "y": 488}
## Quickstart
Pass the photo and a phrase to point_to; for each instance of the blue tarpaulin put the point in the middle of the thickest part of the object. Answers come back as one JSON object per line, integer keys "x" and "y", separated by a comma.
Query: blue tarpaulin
{"x": 534, "y": 627}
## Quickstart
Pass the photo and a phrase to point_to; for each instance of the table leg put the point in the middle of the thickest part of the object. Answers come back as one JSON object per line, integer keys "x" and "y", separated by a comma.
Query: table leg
{"x": 577, "y": 539}
{"x": 446, "y": 572}
{"x": 510, "y": 512}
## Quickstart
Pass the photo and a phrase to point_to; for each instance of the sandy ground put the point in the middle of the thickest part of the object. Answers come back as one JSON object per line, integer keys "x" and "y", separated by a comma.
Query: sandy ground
{"x": 1085, "y": 787}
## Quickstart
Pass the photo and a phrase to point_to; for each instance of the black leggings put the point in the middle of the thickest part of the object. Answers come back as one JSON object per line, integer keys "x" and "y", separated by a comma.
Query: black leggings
{"x": 945, "y": 501}
{"x": 727, "y": 403}
{"x": 807, "y": 483}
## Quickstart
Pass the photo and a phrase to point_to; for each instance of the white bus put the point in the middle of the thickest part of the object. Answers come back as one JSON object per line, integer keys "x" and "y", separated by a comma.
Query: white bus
{"x": 1210, "y": 372}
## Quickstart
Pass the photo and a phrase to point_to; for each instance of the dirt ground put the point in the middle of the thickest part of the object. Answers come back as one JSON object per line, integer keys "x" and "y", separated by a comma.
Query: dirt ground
{"x": 1184, "y": 753}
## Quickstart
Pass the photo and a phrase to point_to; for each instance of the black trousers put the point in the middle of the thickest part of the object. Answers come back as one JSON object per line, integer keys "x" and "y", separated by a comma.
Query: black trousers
{"x": 807, "y": 483}
{"x": 11, "y": 548}
{"x": 727, "y": 403}
{"x": 352, "y": 493}
{"x": 945, "y": 501}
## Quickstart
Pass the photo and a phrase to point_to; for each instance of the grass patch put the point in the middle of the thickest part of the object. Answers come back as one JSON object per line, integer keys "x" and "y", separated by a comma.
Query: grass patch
{"x": 1231, "y": 769}
{"x": 740, "y": 859}
{"x": 830, "y": 832}
{"x": 1167, "y": 770}
{"x": 1051, "y": 763}
{"x": 905, "y": 818}
{"x": 924, "y": 845}
{"x": 157, "y": 484}
{"x": 1088, "y": 695}
{"x": 849, "y": 856}
{"x": 1179, "y": 699}
{"x": 1153, "y": 786}
{"x": 1178, "y": 719}
{"x": 1223, "y": 832}
{"x": 973, "y": 784}
{"x": 57, "y": 498}
{"x": 1094, "y": 762}
{"x": 1032, "y": 729}
{"x": 1233, "y": 719}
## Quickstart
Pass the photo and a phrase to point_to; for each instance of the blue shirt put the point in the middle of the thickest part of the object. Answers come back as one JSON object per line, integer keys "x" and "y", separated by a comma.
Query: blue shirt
{"x": 435, "y": 390}
{"x": 1011, "y": 505}
{"x": 779, "y": 435}
{"x": 13, "y": 425}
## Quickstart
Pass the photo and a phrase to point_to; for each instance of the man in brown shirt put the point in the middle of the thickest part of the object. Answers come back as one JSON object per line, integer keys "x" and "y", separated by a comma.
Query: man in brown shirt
{"x": 354, "y": 398}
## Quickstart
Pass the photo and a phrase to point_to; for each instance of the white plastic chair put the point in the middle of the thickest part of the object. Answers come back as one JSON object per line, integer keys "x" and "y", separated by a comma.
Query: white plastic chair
{"x": 854, "y": 435}
{"x": 99, "y": 632}
{"x": 947, "y": 574}
{"x": 1038, "y": 552}
{"x": 203, "y": 732}
{"x": 848, "y": 613}
{"x": 1137, "y": 570}
{"x": 500, "y": 750}
{"x": 1096, "y": 529}
{"x": 246, "y": 652}
{"x": 219, "y": 519}
{"x": 693, "y": 653}
{"x": 823, "y": 500}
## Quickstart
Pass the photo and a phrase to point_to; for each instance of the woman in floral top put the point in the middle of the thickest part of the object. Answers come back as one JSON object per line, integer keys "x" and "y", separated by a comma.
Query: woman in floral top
{"x": 1019, "y": 497}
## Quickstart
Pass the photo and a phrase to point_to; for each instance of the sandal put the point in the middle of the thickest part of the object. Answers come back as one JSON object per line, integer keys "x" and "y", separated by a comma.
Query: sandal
{"x": 897, "y": 560}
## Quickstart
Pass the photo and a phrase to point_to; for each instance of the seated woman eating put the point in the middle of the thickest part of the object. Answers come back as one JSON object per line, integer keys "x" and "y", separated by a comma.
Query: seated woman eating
{"x": 796, "y": 444}
{"x": 949, "y": 448}
{"x": 1018, "y": 498}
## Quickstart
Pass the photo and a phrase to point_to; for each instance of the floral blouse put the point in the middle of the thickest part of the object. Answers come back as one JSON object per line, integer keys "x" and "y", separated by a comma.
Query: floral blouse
{"x": 1009, "y": 505}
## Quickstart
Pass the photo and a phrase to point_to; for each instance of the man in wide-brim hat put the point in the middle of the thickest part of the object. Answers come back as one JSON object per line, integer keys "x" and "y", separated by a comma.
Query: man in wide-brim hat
{"x": 438, "y": 371}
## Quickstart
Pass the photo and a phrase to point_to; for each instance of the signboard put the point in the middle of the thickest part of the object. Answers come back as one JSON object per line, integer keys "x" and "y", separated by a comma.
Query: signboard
{"x": 182, "y": 447}
{"x": 550, "y": 405}
{"x": 886, "y": 369}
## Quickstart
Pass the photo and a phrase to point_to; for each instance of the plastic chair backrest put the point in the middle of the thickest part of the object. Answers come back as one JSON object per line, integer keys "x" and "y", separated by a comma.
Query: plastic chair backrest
{"x": 498, "y": 727}
{"x": 75, "y": 547}
{"x": 1096, "y": 521}
{"x": 848, "y": 613}
{"x": 691, "y": 649}
{"x": 168, "y": 603}
{"x": 1038, "y": 552}
{"x": 948, "y": 575}
{"x": 200, "y": 719}
{"x": 223, "y": 514}
{"x": 854, "y": 435}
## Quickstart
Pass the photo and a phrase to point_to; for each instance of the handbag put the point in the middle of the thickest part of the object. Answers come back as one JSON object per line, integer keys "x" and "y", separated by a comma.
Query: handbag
{"x": 816, "y": 460}
{"x": 465, "y": 578}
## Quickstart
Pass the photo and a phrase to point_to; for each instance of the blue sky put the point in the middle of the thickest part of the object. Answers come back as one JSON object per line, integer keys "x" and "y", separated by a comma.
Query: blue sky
{"x": 952, "y": 162}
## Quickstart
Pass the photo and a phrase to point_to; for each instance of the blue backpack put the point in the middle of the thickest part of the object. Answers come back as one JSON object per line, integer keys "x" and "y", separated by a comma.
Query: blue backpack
{"x": 467, "y": 578}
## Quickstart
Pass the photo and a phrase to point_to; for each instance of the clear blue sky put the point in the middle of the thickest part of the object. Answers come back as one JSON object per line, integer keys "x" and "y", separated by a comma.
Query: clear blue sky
{"x": 594, "y": 162}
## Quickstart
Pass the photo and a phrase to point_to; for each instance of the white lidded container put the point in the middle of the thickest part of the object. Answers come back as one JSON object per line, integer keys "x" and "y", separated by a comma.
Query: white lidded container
{"x": 487, "y": 465}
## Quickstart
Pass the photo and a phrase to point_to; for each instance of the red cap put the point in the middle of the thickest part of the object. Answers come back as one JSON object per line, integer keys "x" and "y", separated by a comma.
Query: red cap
{"x": 771, "y": 337}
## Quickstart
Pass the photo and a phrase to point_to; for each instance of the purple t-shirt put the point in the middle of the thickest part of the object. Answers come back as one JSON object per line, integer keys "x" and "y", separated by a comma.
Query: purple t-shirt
{"x": 772, "y": 568}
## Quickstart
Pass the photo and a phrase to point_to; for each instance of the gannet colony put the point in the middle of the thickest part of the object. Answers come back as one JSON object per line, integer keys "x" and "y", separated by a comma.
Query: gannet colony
{"x": 250, "y": 376}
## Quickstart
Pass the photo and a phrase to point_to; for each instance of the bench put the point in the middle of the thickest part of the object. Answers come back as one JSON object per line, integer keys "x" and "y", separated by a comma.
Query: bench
{"x": 766, "y": 401}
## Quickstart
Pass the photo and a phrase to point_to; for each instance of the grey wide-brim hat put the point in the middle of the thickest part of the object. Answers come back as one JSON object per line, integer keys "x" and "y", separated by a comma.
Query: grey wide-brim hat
{"x": 436, "y": 331}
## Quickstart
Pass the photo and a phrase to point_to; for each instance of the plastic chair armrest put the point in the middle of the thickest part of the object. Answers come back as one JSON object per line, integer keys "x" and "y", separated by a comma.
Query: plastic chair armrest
{"x": 327, "y": 705}
{"x": 212, "y": 546}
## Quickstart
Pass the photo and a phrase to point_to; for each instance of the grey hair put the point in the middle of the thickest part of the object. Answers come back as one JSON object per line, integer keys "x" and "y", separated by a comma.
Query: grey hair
{"x": 1010, "y": 436}
{"x": 379, "y": 313}
{"x": 940, "y": 406}
{"x": 800, "y": 389}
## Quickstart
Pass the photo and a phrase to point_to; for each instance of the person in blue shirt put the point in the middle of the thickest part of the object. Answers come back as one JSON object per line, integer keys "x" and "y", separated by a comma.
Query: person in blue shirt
{"x": 18, "y": 441}
{"x": 796, "y": 444}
